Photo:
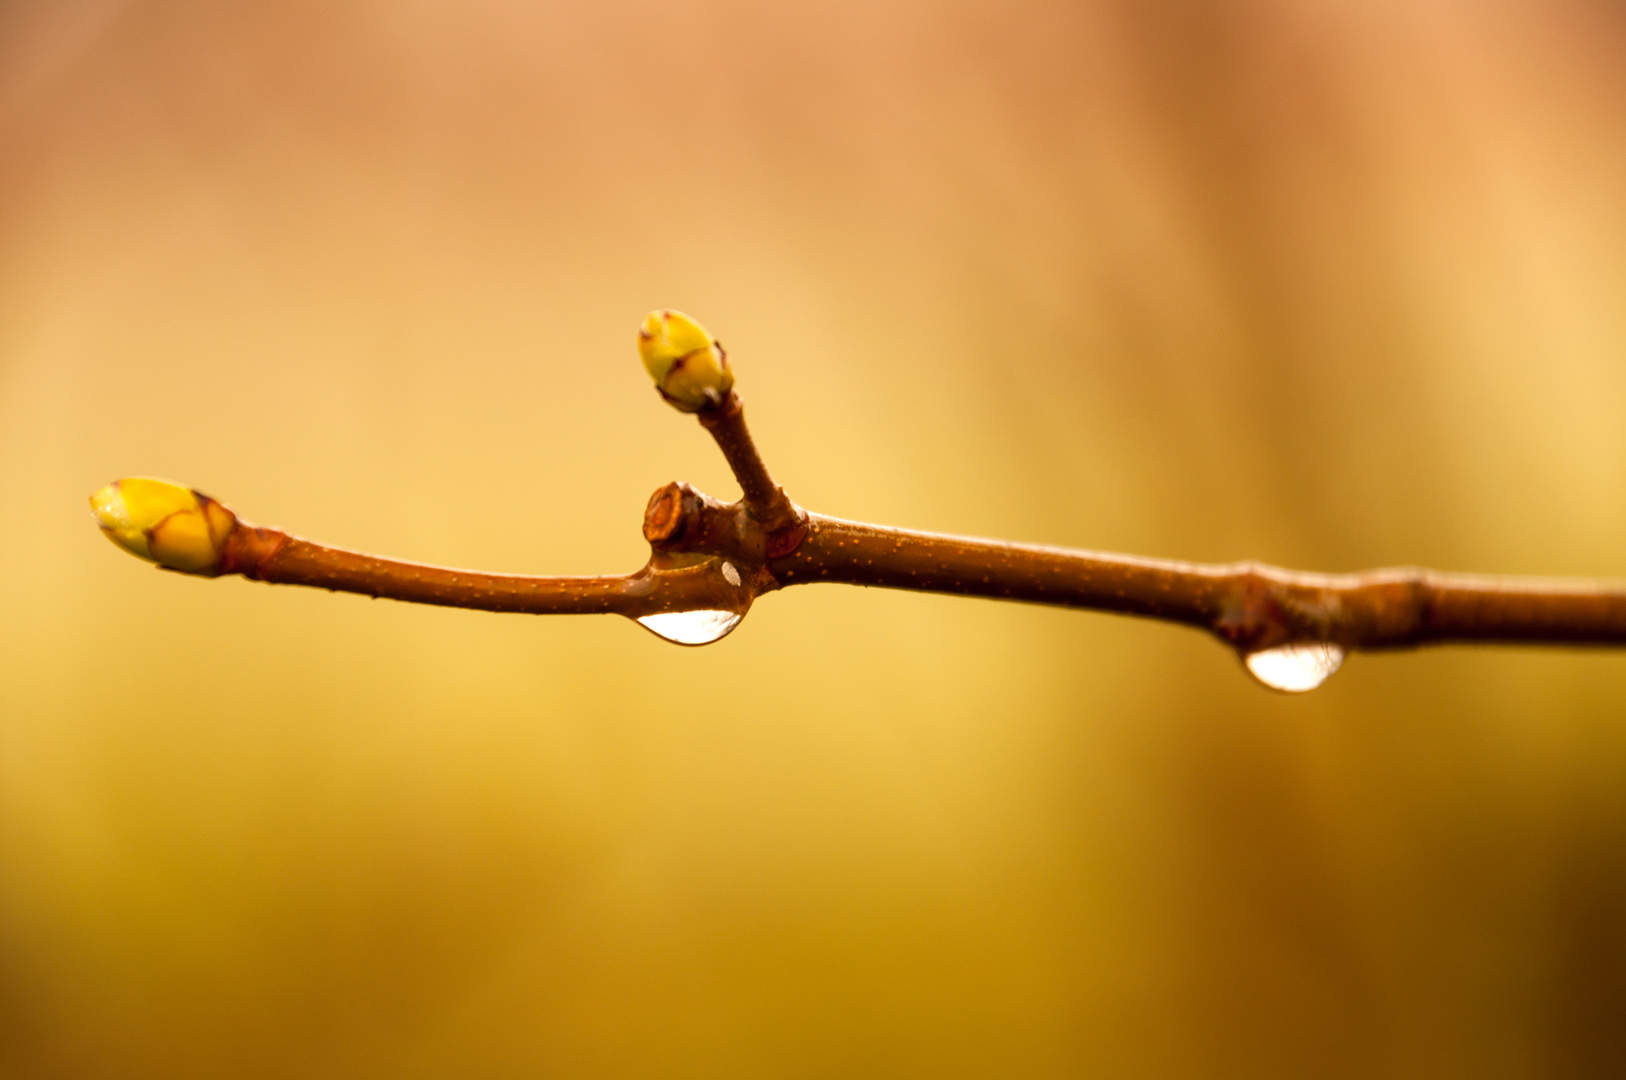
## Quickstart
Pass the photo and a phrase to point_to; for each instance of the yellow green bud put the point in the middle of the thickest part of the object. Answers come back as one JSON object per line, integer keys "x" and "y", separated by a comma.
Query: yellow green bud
{"x": 166, "y": 523}
{"x": 689, "y": 368}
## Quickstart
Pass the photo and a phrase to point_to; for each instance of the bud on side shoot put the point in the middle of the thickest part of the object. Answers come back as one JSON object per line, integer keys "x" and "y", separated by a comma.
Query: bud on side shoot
{"x": 165, "y": 523}
{"x": 689, "y": 368}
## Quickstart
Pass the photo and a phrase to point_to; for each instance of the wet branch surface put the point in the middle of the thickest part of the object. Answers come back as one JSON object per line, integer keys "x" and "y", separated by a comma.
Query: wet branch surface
{"x": 717, "y": 556}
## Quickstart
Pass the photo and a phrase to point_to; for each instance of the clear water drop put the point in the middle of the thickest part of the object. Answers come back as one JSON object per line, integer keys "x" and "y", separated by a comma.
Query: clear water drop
{"x": 700, "y": 627}
{"x": 1293, "y": 669}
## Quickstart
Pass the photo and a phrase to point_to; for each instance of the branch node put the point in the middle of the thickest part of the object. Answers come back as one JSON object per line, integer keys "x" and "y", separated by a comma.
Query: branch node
{"x": 250, "y": 547}
{"x": 664, "y": 517}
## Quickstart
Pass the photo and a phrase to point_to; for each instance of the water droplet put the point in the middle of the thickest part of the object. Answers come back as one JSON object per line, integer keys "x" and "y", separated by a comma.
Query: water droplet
{"x": 731, "y": 574}
{"x": 700, "y": 627}
{"x": 1293, "y": 669}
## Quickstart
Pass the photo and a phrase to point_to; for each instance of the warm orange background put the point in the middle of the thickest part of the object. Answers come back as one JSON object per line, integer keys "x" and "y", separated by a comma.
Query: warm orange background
{"x": 1329, "y": 284}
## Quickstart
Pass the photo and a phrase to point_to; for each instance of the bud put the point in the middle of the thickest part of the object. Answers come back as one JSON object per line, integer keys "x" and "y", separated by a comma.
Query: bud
{"x": 166, "y": 523}
{"x": 689, "y": 368}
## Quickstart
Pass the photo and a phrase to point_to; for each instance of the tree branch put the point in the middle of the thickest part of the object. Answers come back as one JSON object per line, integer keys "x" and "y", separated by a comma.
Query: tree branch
{"x": 782, "y": 521}
{"x": 1247, "y": 605}
{"x": 712, "y": 559}
{"x": 667, "y": 584}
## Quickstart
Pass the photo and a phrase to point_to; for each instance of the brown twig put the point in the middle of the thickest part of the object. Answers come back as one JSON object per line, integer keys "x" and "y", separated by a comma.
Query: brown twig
{"x": 1248, "y": 605}
{"x": 666, "y": 584}
{"x": 769, "y": 544}
{"x": 781, "y": 521}
{"x": 707, "y": 554}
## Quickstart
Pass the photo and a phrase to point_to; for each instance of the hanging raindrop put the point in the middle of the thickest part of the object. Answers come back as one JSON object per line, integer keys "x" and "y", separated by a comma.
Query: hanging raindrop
{"x": 701, "y": 627}
{"x": 1293, "y": 669}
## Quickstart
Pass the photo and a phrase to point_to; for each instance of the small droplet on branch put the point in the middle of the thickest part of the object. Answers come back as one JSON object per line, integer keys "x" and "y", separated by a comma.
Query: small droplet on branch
{"x": 700, "y": 627}
{"x": 1294, "y": 669}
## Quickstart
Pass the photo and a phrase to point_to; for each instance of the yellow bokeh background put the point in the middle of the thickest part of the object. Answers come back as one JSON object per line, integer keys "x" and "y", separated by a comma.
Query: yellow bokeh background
{"x": 1331, "y": 284}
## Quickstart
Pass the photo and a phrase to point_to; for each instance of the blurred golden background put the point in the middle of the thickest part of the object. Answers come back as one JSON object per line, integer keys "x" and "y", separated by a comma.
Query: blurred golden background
{"x": 1332, "y": 285}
